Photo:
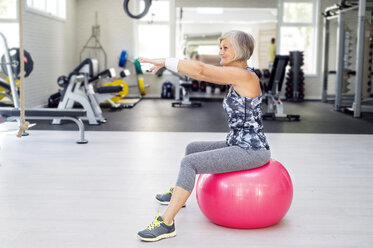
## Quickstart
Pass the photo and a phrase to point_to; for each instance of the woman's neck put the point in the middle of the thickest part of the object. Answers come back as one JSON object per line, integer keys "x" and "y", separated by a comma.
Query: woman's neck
{"x": 239, "y": 64}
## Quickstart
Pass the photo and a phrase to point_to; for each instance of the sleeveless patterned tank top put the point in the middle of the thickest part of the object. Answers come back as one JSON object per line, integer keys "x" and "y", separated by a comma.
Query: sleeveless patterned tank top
{"x": 245, "y": 121}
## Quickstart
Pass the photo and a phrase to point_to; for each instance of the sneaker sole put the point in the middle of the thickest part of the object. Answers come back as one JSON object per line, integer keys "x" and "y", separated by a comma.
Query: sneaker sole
{"x": 162, "y": 202}
{"x": 163, "y": 236}
{"x": 166, "y": 203}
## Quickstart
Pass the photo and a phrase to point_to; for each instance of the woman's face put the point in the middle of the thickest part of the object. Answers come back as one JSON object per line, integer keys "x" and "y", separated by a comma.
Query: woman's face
{"x": 226, "y": 52}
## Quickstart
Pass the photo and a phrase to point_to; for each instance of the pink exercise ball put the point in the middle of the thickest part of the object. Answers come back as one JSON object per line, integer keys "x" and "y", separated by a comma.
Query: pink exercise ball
{"x": 253, "y": 198}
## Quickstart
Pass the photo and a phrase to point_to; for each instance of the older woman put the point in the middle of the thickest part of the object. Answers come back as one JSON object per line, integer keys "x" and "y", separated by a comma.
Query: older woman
{"x": 245, "y": 147}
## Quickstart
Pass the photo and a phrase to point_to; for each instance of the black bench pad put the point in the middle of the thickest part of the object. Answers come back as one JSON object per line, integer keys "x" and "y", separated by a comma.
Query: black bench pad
{"x": 109, "y": 89}
{"x": 43, "y": 112}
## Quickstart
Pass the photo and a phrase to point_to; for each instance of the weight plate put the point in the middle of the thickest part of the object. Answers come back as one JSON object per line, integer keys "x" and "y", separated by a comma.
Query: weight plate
{"x": 142, "y": 86}
{"x": 121, "y": 94}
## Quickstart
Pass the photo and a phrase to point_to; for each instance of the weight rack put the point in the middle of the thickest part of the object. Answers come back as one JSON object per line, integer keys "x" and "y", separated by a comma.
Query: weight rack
{"x": 295, "y": 77}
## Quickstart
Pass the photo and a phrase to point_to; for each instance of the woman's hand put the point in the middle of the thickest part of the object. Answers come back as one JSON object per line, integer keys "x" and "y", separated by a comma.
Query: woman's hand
{"x": 157, "y": 63}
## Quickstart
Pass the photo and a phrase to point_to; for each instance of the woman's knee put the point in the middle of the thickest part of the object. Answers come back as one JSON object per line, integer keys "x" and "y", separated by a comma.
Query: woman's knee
{"x": 187, "y": 164}
{"x": 191, "y": 148}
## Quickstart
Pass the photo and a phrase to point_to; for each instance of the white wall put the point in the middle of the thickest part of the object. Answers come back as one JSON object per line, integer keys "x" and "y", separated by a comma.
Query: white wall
{"x": 116, "y": 31}
{"x": 116, "y": 27}
{"x": 313, "y": 84}
{"x": 52, "y": 44}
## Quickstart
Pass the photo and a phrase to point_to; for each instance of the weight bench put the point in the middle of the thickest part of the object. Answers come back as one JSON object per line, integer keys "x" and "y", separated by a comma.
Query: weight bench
{"x": 78, "y": 87}
{"x": 275, "y": 107}
{"x": 11, "y": 114}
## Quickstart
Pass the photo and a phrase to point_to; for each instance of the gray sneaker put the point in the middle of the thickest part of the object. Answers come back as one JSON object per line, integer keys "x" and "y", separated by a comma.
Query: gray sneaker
{"x": 165, "y": 198}
{"x": 157, "y": 230}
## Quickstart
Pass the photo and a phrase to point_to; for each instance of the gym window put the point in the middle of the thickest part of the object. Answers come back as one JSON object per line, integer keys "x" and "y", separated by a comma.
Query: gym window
{"x": 298, "y": 30}
{"x": 154, "y": 30}
{"x": 9, "y": 22}
{"x": 52, "y": 8}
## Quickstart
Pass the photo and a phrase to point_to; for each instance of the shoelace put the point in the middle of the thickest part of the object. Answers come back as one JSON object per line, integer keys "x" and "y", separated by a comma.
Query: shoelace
{"x": 154, "y": 224}
{"x": 169, "y": 191}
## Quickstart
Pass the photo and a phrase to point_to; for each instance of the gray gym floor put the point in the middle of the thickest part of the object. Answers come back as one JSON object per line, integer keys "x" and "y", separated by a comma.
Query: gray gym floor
{"x": 158, "y": 115}
{"x": 55, "y": 193}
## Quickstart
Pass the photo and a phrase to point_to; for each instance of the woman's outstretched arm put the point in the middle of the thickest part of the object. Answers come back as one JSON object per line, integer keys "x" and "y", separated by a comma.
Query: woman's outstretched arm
{"x": 204, "y": 72}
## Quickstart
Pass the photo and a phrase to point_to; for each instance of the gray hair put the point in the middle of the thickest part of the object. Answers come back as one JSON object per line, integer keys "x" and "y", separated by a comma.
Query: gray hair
{"x": 242, "y": 43}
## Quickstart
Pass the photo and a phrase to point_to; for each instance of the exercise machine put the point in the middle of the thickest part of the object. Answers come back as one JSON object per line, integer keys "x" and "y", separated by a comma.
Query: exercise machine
{"x": 5, "y": 90}
{"x": 78, "y": 88}
{"x": 13, "y": 113}
{"x": 272, "y": 91}
{"x": 186, "y": 85}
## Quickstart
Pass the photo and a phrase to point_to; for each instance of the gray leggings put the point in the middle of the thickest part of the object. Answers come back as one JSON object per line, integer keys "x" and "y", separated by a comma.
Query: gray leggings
{"x": 216, "y": 157}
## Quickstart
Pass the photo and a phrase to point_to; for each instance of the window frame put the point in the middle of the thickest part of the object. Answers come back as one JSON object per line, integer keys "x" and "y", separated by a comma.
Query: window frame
{"x": 303, "y": 24}
{"x": 45, "y": 13}
{"x": 12, "y": 21}
{"x": 314, "y": 24}
{"x": 170, "y": 23}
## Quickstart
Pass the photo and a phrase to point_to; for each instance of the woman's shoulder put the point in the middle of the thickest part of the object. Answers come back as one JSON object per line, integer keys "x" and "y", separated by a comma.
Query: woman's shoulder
{"x": 250, "y": 87}
{"x": 253, "y": 76}
{"x": 248, "y": 74}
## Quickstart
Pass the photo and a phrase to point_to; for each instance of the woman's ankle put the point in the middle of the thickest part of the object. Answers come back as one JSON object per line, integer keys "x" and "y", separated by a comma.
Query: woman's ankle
{"x": 167, "y": 221}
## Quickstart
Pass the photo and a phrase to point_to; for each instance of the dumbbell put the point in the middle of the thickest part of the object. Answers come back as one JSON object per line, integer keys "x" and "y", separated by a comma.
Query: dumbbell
{"x": 62, "y": 81}
{"x": 266, "y": 73}
{"x": 195, "y": 85}
{"x": 289, "y": 95}
{"x": 258, "y": 73}
{"x": 202, "y": 86}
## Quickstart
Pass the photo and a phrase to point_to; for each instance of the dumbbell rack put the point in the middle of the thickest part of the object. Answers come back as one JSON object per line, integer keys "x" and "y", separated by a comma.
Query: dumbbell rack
{"x": 207, "y": 91}
{"x": 295, "y": 77}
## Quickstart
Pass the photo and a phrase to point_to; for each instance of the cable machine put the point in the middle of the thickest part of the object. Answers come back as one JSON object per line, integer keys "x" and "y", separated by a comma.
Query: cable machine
{"x": 362, "y": 105}
{"x": 345, "y": 48}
